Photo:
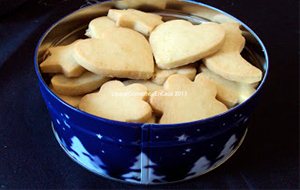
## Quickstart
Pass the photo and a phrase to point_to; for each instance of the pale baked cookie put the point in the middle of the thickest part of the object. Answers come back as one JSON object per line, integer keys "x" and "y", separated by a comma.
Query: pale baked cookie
{"x": 126, "y": 4}
{"x": 116, "y": 101}
{"x": 161, "y": 75}
{"x": 72, "y": 100}
{"x": 178, "y": 42}
{"x": 151, "y": 86}
{"x": 61, "y": 60}
{"x": 119, "y": 52}
{"x": 228, "y": 61}
{"x": 98, "y": 25}
{"x": 151, "y": 120}
{"x": 86, "y": 83}
{"x": 136, "y": 20}
{"x": 184, "y": 101}
{"x": 229, "y": 92}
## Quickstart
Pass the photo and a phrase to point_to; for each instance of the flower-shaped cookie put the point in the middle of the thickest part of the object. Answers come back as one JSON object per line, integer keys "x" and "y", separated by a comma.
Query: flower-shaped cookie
{"x": 116, "y": 101}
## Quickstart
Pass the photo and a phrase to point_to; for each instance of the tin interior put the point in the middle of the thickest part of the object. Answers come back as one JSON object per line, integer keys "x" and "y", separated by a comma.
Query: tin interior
{"x": 73, "y": 26}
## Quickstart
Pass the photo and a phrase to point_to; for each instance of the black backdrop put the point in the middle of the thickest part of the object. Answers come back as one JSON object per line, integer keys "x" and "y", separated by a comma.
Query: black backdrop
{"x": 31, "y": 158}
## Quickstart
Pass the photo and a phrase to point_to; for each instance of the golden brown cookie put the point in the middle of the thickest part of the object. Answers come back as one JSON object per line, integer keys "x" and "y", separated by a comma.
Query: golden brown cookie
{"x": 86, "y": 83}
{"x": 116, "y": 101}
{"x": 161, "y": 75}
{"x": 137, "y": 20}
{"x": 126, "y": 4}
{"x": 151, "y": 120}
{"x": 178, "y": 42}
{"x": 119, "y": 52}
{"x": 72, "y": 100}
{"x": 228, "y": 62}
{"x": 229, "y": 92}
{"x": 98, "y": 25}
{"x": 184, "y": 101}
{"x": 61, "y": 60}
{"x": 151, "y": 86}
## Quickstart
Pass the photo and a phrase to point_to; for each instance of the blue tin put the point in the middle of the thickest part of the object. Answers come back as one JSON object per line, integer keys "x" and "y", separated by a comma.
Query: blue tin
{"x": 147, "y": 153}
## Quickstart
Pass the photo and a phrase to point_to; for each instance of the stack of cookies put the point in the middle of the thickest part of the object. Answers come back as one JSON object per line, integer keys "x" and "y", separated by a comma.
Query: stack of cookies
{"x": 134, "y": 67}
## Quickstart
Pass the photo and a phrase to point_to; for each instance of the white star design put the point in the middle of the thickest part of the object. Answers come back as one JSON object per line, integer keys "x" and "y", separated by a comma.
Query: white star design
{"x": 188, "y": 150}
{"x": 120, "y": 140}
{"x": 182, "y": 138}
{"x": 99, "y": 136}
{"x": 66, "y": 115}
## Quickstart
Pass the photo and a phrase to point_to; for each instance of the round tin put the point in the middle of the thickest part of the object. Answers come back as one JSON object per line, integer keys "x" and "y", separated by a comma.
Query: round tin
{"x": 147, "y": 153}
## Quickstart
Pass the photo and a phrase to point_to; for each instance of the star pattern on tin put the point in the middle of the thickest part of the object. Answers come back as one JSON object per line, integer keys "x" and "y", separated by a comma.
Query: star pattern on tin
{"x": 182, "y": 138}
{"x": 99, "y": 136}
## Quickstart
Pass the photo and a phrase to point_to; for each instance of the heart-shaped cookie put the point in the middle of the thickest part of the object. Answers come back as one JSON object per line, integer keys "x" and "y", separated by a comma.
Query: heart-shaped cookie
{"x": 228, "y": 62}
{"x": 119, "y": 52}
{"x": 98, "y": 25}
{"x": 179, "y": 42}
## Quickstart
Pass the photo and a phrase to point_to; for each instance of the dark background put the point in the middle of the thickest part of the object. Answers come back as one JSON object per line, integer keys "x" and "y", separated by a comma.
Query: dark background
{"x": 30, "y": 157}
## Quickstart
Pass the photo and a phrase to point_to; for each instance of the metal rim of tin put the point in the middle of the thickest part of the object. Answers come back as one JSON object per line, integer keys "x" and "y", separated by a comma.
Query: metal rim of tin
{"x": 125, "y": 124}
